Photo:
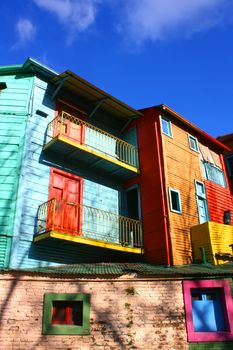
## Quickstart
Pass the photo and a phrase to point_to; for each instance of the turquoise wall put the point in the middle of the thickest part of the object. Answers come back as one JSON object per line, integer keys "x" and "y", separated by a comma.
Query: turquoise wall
{"x": 34, "y": 177}
{"x": 14, "y": 110}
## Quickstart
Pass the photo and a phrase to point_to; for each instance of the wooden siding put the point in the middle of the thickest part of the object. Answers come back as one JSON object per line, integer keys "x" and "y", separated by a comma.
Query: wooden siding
{"x": 182, "y": 168}
{"x": 34, "y": 179}
{"x": 219, "y": 200}
{"x": 14, "y": 110}
{"x": 34, "y": 185}
{"x": 215, "y": 238}
{"x": 156, "y": 246}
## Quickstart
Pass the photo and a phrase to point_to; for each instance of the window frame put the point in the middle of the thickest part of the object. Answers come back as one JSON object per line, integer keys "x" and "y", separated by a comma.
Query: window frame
{"x": 191, "y": 137}
{"x": 229, "y": 170}
{"x": 163, "y": 118}
{"x": 224, "y": 287}
{"x": 207, "y": 167}
{"x": 203, "y": 197}
{"x": 65, "y": 329}
{"x": 170, "y": 190}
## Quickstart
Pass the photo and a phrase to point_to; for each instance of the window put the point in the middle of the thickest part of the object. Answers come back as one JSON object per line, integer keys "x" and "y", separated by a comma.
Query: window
{"x": 201, "y": 202}
{"x": 175, "y": 203}
{"x": 193, "y": 143}
{"x": 209, "y": 310}
{"x": 229, "y": 162}
{"x": 166, "y": 126}
{"x": 213, "y": 173}
{"x": 66, "y": 314}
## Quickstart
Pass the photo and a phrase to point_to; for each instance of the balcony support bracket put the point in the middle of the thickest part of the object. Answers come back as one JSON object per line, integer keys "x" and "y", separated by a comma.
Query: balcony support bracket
{"x": 97, "y": 106}
{"x": 59, "y": 86}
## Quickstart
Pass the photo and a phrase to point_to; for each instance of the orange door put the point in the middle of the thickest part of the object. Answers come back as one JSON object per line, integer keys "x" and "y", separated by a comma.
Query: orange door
{"x": 66, "y": 190}
{"x": 68, "y": 125}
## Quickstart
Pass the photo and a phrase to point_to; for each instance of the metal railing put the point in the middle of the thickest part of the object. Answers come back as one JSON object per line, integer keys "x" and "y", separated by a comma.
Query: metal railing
{"x": 77, "y": 130}
{"x": 88, "y": 222}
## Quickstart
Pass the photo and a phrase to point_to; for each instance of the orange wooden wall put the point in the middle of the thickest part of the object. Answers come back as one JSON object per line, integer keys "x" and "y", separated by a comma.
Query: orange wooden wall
{"x": 182, "y": 168}
{"x": 168, "y": 162}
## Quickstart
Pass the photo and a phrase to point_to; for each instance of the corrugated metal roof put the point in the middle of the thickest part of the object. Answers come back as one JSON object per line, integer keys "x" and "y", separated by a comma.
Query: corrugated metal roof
{"x": 138, "y": 268}
{"x": 93, "y": 94}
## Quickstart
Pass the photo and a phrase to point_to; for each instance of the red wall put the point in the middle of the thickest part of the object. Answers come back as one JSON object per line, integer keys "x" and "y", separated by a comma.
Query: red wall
{"x": 219, "y": 199}
{"x": 156, "y": 242}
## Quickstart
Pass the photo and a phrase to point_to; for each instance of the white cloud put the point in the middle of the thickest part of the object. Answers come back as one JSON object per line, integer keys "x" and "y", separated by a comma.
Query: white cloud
{"x": 75, "y": 15}
{"x": 161, "y": 19}
{"x": 26, "y": 31}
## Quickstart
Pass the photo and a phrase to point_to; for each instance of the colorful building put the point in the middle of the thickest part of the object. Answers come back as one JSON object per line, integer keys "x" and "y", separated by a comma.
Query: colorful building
{"x": 183, "y": 187}
{"x": 228, "y": 155}
{"x": 109, "y": 214}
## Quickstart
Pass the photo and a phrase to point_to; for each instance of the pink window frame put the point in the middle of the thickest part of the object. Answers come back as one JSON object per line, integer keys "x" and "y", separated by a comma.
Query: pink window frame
{"x": 227, "y": 299}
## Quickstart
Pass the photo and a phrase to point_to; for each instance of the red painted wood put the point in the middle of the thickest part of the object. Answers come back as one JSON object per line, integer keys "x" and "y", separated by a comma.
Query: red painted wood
{"x": 153, "y": 206}
{"x": 219, "y": 199}
{"x": 67, "y": 189}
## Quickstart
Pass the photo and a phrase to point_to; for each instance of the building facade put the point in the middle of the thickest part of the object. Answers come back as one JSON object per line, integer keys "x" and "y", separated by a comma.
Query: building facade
{"x": 107, "y": 216}
{"x": 228, "y": 155}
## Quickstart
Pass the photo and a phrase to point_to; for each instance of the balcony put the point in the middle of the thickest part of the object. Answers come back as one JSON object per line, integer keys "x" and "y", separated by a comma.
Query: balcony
{"x": 216, "y": 239}
{"x": 81, "y": 142}
{"x": 81, "y": 224}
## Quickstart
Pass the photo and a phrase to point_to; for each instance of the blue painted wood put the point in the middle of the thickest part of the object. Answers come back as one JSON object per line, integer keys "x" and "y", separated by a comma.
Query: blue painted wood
{"x": 34, "y": 185}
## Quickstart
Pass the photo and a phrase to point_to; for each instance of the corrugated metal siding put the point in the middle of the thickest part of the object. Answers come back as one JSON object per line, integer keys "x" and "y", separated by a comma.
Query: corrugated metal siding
{"x": 5, "y": 246}
{"x": 182, "y": 168}
{"x": 14, "y": 109}
{"x": 219, "y": 200}
{"x": 221, "y": 237}
{"x": 201, "y": 238}
{"x": 215, "y": 238}
{"x": 149, "y": 183}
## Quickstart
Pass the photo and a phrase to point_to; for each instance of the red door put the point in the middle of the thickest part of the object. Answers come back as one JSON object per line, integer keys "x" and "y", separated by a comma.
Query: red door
{"x": 66, "y": 189}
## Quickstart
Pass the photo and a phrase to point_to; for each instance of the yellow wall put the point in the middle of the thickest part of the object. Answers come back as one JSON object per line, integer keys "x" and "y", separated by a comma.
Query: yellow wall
{"x": 215, "y": 238}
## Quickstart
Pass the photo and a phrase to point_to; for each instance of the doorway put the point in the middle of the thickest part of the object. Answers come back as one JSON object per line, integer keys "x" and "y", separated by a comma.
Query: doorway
{"x": 66, "y": 189}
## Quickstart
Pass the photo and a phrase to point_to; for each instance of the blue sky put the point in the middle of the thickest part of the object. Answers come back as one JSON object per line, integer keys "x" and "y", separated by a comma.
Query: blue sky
{"x": 144, "y": 52}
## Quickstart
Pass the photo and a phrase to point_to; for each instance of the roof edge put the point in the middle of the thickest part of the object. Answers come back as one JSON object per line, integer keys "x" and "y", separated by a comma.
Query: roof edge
{"x": 30, "y": 65}
{"x": 204, "y": 134}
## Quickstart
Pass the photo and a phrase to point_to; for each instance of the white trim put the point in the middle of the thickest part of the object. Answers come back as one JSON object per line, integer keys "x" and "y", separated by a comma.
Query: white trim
{"x": 196, "y": 142}
{"x": 170, "y": 190}
{"x": 162, "y": 117}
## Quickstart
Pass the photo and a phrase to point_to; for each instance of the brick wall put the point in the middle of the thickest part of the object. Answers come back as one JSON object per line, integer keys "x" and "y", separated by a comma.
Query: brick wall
{"x": 126, "y": 313}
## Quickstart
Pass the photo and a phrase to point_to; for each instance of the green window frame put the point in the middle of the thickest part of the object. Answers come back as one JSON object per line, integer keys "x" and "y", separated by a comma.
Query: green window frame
{"x": 66, "y": 329}
{"x": 166, "y": 126}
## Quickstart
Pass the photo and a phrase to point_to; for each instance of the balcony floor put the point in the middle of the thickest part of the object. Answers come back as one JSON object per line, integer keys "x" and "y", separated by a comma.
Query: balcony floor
{"x": 87, "y": 241}
{"x": 91, "y": 158}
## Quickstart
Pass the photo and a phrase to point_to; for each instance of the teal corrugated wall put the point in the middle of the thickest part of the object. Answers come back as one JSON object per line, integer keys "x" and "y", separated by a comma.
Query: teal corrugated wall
{"x": 14, "y": 110}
